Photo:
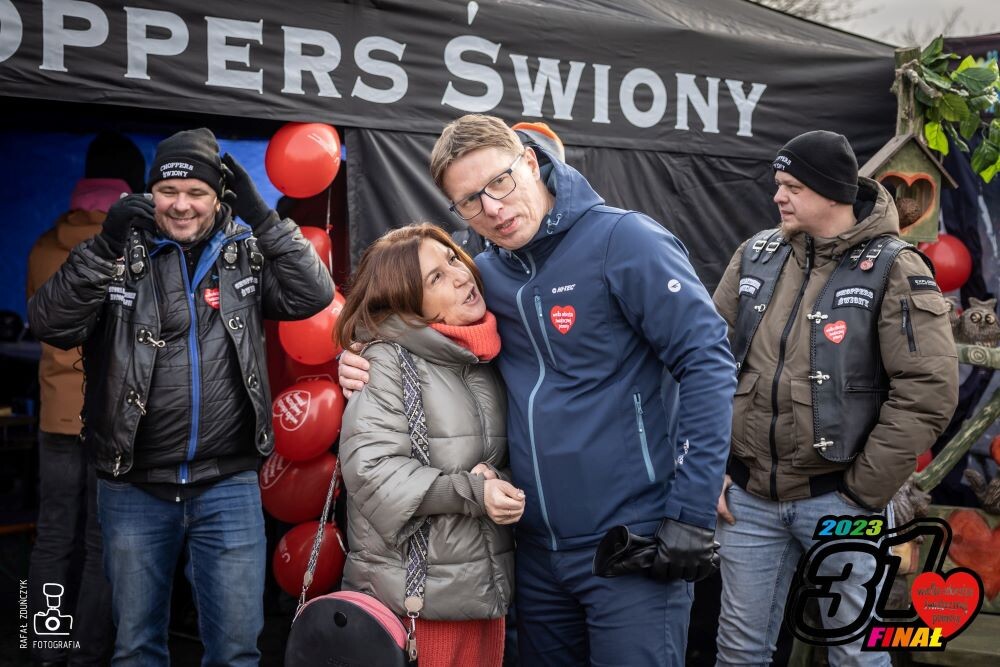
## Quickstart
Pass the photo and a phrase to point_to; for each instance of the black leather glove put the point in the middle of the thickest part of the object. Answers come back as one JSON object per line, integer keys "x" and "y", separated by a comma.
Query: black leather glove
{"x": 241, "y": 194}
{"x": 121, "y": 216}
{"x": 621, "y": 552}
{"x": 684, "y": 552}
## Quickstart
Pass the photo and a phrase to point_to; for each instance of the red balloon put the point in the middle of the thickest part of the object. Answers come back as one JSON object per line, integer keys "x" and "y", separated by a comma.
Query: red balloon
{"x": 296, "y": 492}
{"x": 951, "y": 259}
{"x": 321, "y": 242}
{"x": 924, "y": 460}
{"x": 302, "y": 372}
{"x": 291, "y": 557}
{"x": 302, "y": 159}
{"x": 306, "y": 419}
{"x": 310, "y": 341}
{"x": 339, "y": 298}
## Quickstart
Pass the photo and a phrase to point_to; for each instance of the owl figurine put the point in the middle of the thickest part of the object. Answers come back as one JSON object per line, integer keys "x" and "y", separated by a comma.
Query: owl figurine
{"x": 977, "y": 325}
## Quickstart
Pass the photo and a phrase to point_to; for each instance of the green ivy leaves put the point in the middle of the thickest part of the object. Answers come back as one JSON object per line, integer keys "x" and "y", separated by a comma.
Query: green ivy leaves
{"x": 954, "y": 102}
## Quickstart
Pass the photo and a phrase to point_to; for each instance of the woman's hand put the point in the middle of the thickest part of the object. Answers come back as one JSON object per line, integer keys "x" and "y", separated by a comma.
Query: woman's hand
{"x": 504, "y": 502}
{"x": 484, "y": 469}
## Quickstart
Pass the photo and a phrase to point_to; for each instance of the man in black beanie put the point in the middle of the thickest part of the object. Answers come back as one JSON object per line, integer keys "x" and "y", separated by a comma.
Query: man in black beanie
{"x": 847, "y": 372}
{"x": 168, "y": 302}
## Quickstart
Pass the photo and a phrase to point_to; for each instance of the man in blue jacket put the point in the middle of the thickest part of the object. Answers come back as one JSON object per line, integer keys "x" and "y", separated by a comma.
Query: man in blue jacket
{"x": 594, "y": 303}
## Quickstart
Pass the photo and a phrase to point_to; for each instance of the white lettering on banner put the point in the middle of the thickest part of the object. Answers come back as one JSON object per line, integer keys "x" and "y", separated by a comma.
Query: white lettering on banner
{"x": 548, "y": 76}
{"x": 601, "y": 94}
{"x": 641, "y": 76}
{"x": 221, "y": 53}
{"x": 142, "y": 45}
{"x": 481, "y": 74}
{"x": 745, "y": 104}
{"x": 707, "y": 109}
{"x": 11, "y": 30}
{"x": 547, "y": 86}
{"x": 380, "y": 68}
{"x": 56, "y": 36}
{"x": 320, "y": 65}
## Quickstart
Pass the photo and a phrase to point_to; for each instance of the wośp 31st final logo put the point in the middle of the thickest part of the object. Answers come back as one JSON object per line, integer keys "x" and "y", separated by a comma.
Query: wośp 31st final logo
{"x": 942, "y": 604}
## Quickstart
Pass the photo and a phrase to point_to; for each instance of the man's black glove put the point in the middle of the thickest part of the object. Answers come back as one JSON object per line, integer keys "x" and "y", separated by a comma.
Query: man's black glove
{"x": 121, "y": 216}
{"x": 684, "y": 552}
{"x": 241, "y": 194}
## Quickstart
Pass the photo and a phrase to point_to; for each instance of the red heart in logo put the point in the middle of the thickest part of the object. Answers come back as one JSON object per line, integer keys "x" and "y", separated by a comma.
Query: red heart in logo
{"x": 947, "y": 604}
{"x": 835, "y": 331}
{"x": 212, "y": 297}
{"x": 292, "y": 407}
{"x": 272, "y": 470}
{"x": 563, "y": 318}
{"x": 976, "y": 547}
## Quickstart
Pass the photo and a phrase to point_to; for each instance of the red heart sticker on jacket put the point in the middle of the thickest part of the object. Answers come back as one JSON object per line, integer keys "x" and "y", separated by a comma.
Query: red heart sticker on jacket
{"x": 948, "y": 604}
{"x": 563, "y": 318}
{"x": 835, "y": 331}
{"x": 212, "y": 297}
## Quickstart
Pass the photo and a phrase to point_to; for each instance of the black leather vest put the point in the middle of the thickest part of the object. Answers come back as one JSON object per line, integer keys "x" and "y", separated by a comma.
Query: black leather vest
{"x": 849, "y": 384}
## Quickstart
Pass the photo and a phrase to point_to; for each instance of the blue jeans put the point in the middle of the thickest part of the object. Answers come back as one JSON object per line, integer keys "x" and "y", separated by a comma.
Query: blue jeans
{"x": 566, "y": 615}
{"x": 759, "y": 556}
{"x": 222, "y": 531}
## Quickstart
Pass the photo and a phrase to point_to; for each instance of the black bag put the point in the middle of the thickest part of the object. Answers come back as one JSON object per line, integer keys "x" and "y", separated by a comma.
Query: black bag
{"x": 346, "y": 628}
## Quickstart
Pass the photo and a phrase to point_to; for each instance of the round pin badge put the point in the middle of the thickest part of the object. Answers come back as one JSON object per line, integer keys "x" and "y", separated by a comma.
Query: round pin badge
{"x": 867, "y": 265}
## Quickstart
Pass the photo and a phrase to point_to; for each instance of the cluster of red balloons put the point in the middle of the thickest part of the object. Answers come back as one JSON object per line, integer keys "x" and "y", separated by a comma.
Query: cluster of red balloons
{"x": 302, "y": 159}
{"x": 951, "y": 259}
{"x": 306, "y": 416}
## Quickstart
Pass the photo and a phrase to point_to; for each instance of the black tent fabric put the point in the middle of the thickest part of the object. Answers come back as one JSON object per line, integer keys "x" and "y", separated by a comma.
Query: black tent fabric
{"x": 674, "y": 107}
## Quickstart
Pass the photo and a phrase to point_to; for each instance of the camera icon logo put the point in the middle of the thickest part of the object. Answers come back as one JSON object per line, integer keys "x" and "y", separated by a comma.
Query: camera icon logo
{"x": 52, "y": 621}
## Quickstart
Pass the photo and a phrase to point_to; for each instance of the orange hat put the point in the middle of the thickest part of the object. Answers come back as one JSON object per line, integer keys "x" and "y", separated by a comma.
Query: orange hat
{"x": 541, "y": 134}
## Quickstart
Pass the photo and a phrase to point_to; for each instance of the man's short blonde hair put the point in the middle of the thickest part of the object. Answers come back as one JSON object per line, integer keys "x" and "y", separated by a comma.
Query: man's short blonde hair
{"x": 467, "y": 134}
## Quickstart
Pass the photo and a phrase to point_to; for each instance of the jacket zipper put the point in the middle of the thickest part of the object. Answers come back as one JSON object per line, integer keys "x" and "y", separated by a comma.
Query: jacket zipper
{"x": 541, "y": 325}
{"x": 205, "y": 263}
{"x": 637, "y": 402}
{"x": 772, "y": 438}
{"x": 908, "y": 324}
{"x": 531, "y": 401}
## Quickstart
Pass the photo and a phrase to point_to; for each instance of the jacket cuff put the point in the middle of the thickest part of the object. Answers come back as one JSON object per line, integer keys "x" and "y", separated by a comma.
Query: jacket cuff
{"x": 453, "y": 494}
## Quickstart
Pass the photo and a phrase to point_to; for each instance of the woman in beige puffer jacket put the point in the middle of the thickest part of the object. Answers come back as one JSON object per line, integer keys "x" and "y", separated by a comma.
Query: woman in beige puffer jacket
{"x": 414, "y": 287}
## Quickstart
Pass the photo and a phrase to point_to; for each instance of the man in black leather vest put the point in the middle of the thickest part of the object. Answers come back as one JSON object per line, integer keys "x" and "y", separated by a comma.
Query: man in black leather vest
{"x": 168, "y": 302}
{"x": 847, "y": 372}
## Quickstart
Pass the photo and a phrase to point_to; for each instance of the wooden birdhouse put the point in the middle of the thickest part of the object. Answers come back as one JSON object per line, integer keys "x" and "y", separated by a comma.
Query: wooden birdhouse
{"x": 908, "y": 169}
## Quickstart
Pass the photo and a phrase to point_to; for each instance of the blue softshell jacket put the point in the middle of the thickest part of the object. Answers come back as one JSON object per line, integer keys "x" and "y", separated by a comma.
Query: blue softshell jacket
{"x": 619, "y": 373}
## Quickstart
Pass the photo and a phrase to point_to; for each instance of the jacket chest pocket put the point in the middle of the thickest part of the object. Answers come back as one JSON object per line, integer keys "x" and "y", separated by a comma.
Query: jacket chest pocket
{"x": 572, "y": 328}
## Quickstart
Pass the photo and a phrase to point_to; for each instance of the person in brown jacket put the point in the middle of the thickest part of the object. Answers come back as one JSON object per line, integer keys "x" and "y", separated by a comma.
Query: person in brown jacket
{"x": 847, "y": 372}
{"x": 68, "y": 545}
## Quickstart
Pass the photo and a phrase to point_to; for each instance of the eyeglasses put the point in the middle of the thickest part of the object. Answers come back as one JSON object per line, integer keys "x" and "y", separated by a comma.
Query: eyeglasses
{"x": 501, "y": 186}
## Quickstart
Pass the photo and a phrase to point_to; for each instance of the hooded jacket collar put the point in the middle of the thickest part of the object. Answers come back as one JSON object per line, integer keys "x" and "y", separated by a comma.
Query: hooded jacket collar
{"x": 876, "y": 214}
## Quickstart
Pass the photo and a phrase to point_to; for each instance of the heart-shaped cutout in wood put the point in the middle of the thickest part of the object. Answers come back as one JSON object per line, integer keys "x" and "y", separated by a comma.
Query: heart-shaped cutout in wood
{"x": 915, "y": 195}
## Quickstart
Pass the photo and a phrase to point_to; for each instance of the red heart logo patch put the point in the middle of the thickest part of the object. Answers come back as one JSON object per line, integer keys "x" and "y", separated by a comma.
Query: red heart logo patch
{"x": 976, "y": 547}
{"x": 292, "y": 408}
{"x": 563, "y": 318}
{"x": 947, "y": 604}
{"x": 212, "y": 297}
{"x": 835, "y": 331}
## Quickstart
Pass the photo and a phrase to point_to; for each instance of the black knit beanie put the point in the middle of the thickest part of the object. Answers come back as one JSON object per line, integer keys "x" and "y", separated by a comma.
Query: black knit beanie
{"x": 824, "y": 162}
{"x": 113, "y": 155}
{"x": 188, "y": 154}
